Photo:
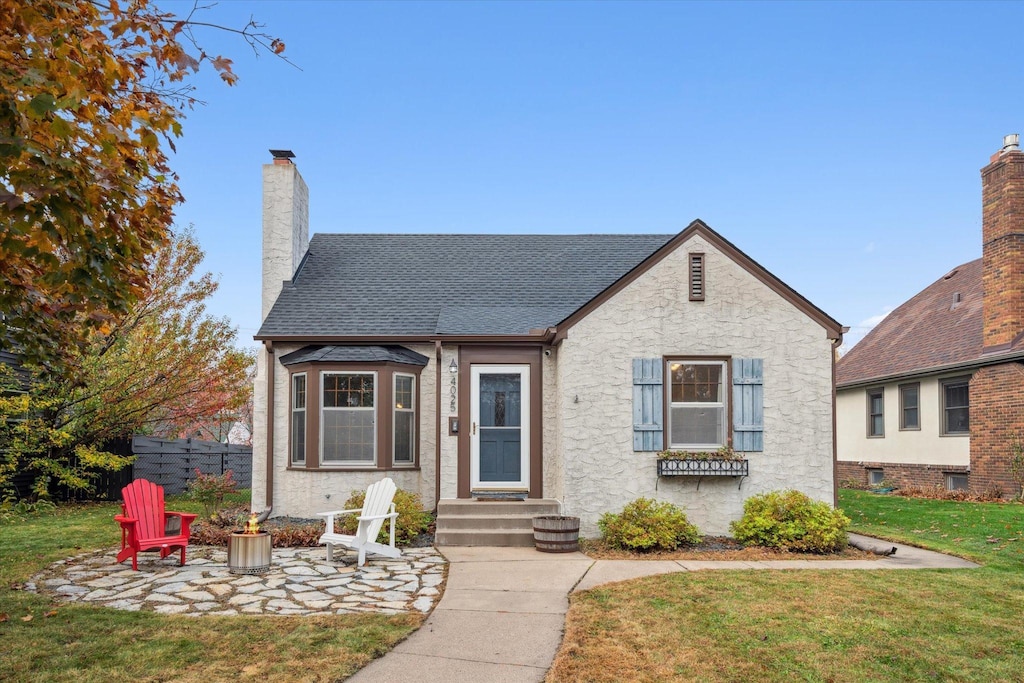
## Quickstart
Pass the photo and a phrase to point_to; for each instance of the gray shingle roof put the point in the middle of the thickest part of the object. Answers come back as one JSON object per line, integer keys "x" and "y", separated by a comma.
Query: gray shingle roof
{"x": 359, "y": 284}
{"x": 354, "y": 354}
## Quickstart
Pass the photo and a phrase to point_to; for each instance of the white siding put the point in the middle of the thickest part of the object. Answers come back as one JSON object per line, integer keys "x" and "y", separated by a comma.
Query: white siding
{"x": 653, "y": 317}
{"x": 921, "y": 447}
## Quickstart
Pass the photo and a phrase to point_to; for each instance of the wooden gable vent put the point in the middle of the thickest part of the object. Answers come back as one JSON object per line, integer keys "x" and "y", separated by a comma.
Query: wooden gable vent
{"x": 696, "y": 277}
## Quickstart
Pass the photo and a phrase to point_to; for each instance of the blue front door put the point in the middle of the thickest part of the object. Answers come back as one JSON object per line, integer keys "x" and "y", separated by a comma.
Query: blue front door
{"x": 499, "y": 427}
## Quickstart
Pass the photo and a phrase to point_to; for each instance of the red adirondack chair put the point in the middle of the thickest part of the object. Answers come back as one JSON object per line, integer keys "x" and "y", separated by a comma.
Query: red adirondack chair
{"x": 144, "y": 523}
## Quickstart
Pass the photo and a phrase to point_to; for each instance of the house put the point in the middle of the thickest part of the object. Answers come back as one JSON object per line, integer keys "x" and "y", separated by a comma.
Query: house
{"x": 546, "y": 367}
{"x": 932, "y": 395}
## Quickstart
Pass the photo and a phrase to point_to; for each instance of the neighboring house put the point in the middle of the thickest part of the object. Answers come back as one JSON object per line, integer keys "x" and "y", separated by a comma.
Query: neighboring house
{"x": 552, "y": 367}
{"x": 933, "y": 394}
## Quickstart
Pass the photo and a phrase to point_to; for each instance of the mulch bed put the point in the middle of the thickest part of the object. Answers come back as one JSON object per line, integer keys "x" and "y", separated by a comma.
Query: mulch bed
{"x": 715, "y": 548}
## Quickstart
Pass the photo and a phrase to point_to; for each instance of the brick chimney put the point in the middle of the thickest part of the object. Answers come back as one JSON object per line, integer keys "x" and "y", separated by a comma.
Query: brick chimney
{"x": 285, "y": 224}
{"x": 1002, "y": 229}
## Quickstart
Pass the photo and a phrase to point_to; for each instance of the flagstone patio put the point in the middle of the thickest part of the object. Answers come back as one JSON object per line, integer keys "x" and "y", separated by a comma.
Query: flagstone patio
{"x": 300, "y": 582}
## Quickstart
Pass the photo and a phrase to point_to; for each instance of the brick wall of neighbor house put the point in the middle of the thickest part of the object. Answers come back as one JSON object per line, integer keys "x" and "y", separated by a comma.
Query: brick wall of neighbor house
{"x": 900, "y": 474}
{"x": 997, "y": 411}
{"x": 1003, "y": 248}
{"x": 653, "y": 317}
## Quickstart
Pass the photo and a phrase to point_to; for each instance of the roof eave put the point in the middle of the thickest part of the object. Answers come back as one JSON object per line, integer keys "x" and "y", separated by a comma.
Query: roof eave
{"x": 990, "y": 359}
{"x": 537, "y": 337}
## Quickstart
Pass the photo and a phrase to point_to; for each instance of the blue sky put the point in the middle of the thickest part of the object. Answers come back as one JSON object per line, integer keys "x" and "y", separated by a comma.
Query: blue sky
{"x": 838, "y": 144}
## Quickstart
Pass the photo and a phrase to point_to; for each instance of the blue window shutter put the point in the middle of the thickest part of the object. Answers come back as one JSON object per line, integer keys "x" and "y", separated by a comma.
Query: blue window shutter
{"x": 648, "y": 398}
{"x": 747, "y": 404}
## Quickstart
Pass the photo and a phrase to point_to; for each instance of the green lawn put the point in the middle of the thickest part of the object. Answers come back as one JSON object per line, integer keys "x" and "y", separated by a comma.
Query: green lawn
{"x": 920, "y": 625}
{"x": 46, "y": 640}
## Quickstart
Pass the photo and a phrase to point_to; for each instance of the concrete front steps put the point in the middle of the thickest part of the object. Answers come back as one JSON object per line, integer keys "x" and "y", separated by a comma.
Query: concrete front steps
{"x": 489, "y": 523}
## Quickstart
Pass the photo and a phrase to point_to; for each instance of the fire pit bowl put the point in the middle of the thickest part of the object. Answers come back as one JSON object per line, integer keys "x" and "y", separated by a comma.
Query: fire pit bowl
{"x": 249, "y": 553}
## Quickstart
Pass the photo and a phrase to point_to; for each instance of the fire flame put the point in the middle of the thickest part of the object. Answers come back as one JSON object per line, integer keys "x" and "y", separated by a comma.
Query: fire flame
{"x": 252, "y": 526}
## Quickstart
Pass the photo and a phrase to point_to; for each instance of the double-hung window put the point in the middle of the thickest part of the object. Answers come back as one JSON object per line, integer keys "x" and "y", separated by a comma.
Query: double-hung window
{"x": 405, "y": 419}
{"x": 876, "y": 412}
{"x": 910, "y": 410}
{"x": 348, "y": 416}
{"x": 956, "y": 406}
{"x": 697, "y": 411}
{"x": 298, "y": 421}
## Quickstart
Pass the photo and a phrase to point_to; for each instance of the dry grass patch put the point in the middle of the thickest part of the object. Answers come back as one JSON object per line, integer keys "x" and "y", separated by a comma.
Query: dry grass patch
{"x": 715, "y": 548}
{"x": 842, "y": 626}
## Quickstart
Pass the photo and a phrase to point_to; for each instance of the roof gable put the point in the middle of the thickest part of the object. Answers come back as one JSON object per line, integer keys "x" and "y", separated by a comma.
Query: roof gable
{"x": 698, "y": 227}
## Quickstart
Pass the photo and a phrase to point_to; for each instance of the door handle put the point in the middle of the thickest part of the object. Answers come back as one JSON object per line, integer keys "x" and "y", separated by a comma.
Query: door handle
{"x": 474, "y": 428}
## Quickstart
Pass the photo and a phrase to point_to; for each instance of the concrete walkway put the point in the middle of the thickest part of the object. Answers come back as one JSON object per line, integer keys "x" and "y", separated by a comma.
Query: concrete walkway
{"x": 502, "y": 614}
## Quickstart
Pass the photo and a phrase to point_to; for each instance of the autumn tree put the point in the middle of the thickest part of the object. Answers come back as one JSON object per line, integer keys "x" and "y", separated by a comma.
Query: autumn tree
{"x": 165, "y": 366}
{"x": 92, "y": 95}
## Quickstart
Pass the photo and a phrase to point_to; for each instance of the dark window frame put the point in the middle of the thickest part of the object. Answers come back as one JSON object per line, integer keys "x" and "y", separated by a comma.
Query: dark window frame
{"x": 948, "y": 477}
{"x": 414, "y": 409}
{"x": 292, "y": 410}
{"x": 384, "y": 396}
{"x": 916, "y": 386}
{"x": 872, "y": 393}
{"x": 666, "y": 418}
{"x": 944, "y": 409}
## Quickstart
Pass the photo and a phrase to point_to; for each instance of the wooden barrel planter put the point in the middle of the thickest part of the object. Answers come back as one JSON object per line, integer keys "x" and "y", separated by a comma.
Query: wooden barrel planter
{"x": 556, "y": 533}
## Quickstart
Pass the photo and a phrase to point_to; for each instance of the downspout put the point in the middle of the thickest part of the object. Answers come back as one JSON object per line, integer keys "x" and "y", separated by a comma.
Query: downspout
{"x": 271, "y": 362}
{"x": 437, "y": 417}
{"x": 835, "y": 451}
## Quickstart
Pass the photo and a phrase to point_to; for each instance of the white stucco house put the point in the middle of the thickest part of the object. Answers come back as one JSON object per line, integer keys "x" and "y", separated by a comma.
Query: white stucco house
{"x": 548, "y": 368}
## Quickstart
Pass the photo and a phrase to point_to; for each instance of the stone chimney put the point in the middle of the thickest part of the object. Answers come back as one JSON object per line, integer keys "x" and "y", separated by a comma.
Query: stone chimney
{"x": 285, "y": 224}
{"x": 1002, "y": 230}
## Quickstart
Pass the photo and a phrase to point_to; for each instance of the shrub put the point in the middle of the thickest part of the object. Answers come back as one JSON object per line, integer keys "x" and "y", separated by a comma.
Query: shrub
{"x": 210, "y": 490}
{"x": 411, "y": 522}
{"x": 789, "y": 520}
{"x": 647, "y": 524}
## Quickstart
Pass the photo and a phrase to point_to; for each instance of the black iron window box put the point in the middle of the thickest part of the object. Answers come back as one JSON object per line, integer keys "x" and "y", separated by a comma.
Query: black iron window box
{"x": 702, "y": 468}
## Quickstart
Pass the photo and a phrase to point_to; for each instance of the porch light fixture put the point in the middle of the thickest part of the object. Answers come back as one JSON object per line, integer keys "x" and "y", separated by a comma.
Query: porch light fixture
{"x": 454, "y": 367}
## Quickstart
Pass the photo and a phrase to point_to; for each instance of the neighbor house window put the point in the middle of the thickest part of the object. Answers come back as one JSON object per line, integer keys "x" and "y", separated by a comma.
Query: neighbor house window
{"x": 696, "y": 277}
{"x": 876, "y": 412}
{"x": 956, "y": 482}
{"x": 955, "y": 406}
{"x": 405, "y": 419}
{"x": 910, "y": 409}
{"x": 875, "y": 477}
{"x": 697, "y": 414}
{"x": 298, "y": 418}
{"x": 348, "y": 416}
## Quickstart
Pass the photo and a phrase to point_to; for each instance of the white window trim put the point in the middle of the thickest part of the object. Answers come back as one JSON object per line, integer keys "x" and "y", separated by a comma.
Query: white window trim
{"x": 326, "y": 464}
{"x": 394, "y": 423}
{"x": 305, "y": 422}
{"x": 723, "y": 404}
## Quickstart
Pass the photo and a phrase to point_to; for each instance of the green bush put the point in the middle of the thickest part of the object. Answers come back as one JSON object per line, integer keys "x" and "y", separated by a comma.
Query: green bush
{"x": 411, "y": 522}
{"x": 647, "y": 524}
{"x": 789, "y": 520}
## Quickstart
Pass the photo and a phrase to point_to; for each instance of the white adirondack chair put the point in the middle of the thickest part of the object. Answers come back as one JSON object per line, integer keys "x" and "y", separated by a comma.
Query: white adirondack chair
{"x": 378, "y": 505}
